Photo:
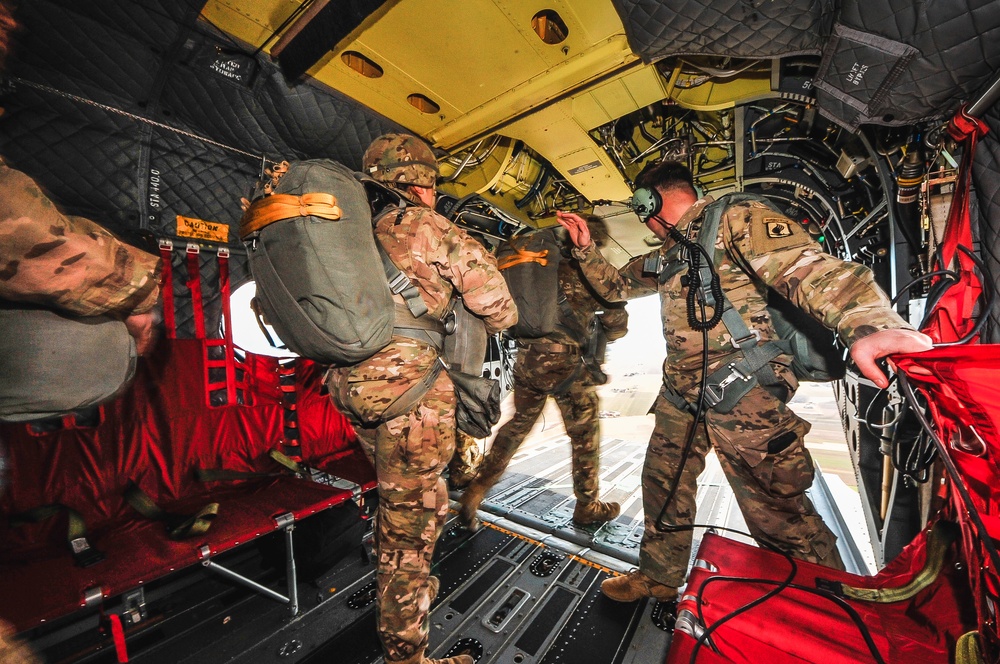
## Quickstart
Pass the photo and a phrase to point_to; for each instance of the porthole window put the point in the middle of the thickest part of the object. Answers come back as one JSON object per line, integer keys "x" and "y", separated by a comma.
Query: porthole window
{"x": 549, "y": 27}
{"x": 361, "y": 64}
{"x": 423, "y": 104}
{"x": 250, "y": 332}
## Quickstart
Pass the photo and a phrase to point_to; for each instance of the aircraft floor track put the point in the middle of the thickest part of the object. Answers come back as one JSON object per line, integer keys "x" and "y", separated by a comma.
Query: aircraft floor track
{"x": 504, "y": 598}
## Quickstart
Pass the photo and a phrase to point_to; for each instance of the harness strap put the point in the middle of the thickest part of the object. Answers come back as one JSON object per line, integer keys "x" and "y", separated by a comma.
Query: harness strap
{"x": 227, "y": 321}
{"x": 400, "y": 284}
{"x": 408, "y": 399}
{"x": 675, "y": 397}
{"x": 726, "y": 386}
{"x": 194, "y": 285}
{"x": 84, "y": 554}
{"x": 277, "y": 207}
{"x": 167, "y": 287}
{"x": 179, "y": 526}
{"x": 523, "y": 256}
{"x": 426, "y": 328}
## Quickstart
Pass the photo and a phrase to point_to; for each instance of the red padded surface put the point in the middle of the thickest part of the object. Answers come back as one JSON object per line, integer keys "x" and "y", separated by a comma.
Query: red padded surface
{"x": 157, "y": 434}
{"x": 796, "y": 626}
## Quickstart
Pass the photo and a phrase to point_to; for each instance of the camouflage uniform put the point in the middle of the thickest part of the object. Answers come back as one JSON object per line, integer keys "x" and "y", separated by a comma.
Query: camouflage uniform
{"x": 760, "y": 443}
{"x": 410, "y": 451}
{"x": 465, "y": 462}
{"x": 69, "y": 263}
{"x": 552, "y": 365}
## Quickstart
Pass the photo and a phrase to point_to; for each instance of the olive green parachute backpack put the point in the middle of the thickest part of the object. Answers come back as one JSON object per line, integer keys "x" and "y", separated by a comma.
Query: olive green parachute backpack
{"x": 323, "y": 282}
{"x": 529, "y": 262}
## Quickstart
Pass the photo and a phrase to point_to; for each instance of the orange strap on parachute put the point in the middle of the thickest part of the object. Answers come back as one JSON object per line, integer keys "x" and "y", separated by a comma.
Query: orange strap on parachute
{"x": 276, "y": 207}
{"x": 522, "y": 256}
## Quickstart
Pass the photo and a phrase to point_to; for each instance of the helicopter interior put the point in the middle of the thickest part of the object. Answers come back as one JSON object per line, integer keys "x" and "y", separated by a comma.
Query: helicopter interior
{"x": 155, "y": 118}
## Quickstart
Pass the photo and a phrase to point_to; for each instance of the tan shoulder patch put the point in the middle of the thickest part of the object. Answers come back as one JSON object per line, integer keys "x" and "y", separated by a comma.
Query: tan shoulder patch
{"x": 771, "y": 232}
{"x": 777, "y": 228}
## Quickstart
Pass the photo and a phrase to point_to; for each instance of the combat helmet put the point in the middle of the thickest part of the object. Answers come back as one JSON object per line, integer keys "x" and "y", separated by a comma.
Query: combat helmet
{"x": 400, "y": 158}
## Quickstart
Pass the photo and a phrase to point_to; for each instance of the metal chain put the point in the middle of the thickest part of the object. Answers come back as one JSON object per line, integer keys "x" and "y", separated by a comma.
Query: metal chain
{"x": 133, "y": 116}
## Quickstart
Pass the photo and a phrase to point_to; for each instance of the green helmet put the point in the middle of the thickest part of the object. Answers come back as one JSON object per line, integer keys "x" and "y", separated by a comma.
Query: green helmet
{"x": 401, "y": 158}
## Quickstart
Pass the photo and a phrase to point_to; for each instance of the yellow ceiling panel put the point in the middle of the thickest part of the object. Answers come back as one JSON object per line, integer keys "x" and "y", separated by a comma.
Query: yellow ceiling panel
{"x": 619, "y": 97}
{"x": 555, "y": 134}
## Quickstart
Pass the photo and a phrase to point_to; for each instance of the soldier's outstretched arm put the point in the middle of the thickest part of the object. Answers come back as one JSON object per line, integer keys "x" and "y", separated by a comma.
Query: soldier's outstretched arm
{"x": 576, "y": 226}
{"x": 867, "y": 350}
{"x": 610, "y": 283}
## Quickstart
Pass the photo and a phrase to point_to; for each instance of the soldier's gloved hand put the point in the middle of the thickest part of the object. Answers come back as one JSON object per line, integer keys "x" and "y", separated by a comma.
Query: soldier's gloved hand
{"x": 579, "y": 232}
{"x": 144, "y": 330}
{"x": 867, "y": 350}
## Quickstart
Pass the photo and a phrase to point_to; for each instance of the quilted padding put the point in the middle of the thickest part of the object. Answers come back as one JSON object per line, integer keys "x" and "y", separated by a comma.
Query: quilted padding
{"x": 986, "y": 186}
{"x": 738, "y": 28}
{"x": 956, "y": 52}
{"x": 152, "y": 59}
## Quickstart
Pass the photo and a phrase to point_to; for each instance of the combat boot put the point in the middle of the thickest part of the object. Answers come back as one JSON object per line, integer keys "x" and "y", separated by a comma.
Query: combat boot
{"x": 470, "y": 499}
{"x": 635, "y": 586}
{"x": 420, "y": 659}
{"x": 596, "y": 512}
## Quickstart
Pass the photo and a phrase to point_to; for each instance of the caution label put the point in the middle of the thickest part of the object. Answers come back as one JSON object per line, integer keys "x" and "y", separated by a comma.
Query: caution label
{"x": 199, "y": 229}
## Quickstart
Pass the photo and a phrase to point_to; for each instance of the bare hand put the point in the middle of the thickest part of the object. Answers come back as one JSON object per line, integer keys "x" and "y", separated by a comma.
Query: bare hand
{"x": 867, "y": 350}
{"x": 579, "y": 232}
{"x": 143, "y": 329}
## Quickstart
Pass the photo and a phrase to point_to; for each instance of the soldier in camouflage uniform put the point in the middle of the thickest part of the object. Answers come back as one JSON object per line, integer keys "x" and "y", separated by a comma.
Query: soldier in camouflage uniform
{"x": 553, "y": 366}
{"x": 409, "y": 452}
{"x": 70, "y": 263}
{"x": 760, "y": 442}
{"x": 67, "y": 263}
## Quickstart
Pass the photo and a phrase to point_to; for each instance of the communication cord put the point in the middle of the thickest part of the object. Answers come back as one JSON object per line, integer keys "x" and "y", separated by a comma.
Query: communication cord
{"x": 779, "y": 587}
{"x": 694, "y": 253}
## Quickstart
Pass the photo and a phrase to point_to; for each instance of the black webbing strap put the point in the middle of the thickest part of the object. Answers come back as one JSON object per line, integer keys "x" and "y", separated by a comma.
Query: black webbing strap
{"x": 179, "y": 526}
{"x": 726, "y": 386}
{"x": 84, "y": 554}
{"x": 399, "y": 283}
{"x": 408, "y": 399}
{"x": 425, "y": 328}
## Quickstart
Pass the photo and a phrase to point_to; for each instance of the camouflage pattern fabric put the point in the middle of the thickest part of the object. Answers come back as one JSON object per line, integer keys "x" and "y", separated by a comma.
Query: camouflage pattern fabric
{"x": 12, "y": 650}
{"x": 69, "y": 263}
{"x": 841, "y": 295}
{"x": 409, "y": 452}
{"x": 537, "y": 373}
{"x": 465, "y": 461}
{"x": 401, "y": 158}
{"x": 760, "y": 442}
{"x": 760, "y": 447}
{"x": 540, "y": 370}
{"x": 441, "y": 258}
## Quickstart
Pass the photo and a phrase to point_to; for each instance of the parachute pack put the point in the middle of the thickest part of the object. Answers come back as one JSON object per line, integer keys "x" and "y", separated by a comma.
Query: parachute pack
{"x": 43, "y": 353}
{"x": 323, "y": 282}
{"x": 529, "y": 263}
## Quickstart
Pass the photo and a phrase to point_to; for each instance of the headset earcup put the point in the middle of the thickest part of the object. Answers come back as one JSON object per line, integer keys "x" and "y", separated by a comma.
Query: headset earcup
{"x": 645, "y": 202}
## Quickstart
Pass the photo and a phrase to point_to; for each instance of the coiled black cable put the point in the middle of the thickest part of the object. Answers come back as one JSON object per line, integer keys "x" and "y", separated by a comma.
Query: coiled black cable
{"x": 694, "y": 255}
